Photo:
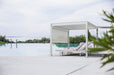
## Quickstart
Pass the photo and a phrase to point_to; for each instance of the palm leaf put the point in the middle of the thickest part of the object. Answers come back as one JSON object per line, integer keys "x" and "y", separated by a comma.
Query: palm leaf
{"x": 93, "y": 50}
{"x": 111, "y": 69}
{"x": 106, "y": 55}
{"x": 105, "y": 43}
{"x": 110, "y": 60}
{"x": 109, "y": 16}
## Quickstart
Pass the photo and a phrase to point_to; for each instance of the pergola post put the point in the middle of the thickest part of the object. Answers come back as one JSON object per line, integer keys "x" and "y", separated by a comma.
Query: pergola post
{"x": 51, "y": 41}
{"x": 96, "y": 36}
{"x": 68, "y": 40}
{"x": 86, "y": 39}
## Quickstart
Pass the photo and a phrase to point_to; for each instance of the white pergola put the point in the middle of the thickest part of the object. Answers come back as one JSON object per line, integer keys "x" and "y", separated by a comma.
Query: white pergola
{"x": 60, "y": 32}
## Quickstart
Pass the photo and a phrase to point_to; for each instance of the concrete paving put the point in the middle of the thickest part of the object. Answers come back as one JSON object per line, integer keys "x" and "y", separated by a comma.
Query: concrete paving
{"x": 55, "y": 65}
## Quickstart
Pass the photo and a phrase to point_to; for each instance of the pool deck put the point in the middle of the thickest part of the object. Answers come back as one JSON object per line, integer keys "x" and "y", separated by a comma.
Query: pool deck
{"x": 55, "y": 65}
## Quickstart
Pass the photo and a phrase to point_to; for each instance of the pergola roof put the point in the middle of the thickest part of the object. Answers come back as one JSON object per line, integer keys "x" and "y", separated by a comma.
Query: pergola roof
{"x": 73, "y": 25}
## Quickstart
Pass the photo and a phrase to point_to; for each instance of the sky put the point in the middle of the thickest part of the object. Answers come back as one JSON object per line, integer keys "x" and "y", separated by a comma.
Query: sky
{"x": 32, "y": 18}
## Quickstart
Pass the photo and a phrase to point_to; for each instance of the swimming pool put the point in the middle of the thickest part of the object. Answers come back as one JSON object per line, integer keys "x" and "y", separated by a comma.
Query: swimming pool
{"x": 25, "y": 49}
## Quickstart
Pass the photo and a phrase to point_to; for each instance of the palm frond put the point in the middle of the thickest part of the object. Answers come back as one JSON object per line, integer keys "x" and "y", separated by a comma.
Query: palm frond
{"x": 110, "y": 16}
{"x": 110, "y": 69}
{"x": 93, "y": 50}
{"x": 106, "y": 55}
{"x": 105, "y": 43}
{"x": 110, "y": 60}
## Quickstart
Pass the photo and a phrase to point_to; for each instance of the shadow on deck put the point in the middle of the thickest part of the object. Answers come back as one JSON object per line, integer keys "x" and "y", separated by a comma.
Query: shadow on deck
{"x": 91, "y": 55}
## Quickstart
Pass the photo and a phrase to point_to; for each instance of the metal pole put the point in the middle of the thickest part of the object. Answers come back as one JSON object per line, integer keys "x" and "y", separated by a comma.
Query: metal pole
{"x": 97, "y": 34}
{"x": 51, "y": 41}
{"x": 11, "y": 43}
{"x": 68, "y": 40}
{"x": 86, "y": 39}
{"x": 16, "y": 43}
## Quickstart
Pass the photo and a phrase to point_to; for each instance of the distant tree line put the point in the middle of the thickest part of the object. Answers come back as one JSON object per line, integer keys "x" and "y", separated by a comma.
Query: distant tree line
{"x": 81, "y": 38}
{"x": 42, "y": 40}
{"x": 76, "y": 39}
{"x": 4, "y": 40}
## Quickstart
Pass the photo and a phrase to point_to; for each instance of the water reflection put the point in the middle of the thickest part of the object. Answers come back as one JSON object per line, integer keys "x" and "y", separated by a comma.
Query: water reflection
{"x": 2, "y": 44}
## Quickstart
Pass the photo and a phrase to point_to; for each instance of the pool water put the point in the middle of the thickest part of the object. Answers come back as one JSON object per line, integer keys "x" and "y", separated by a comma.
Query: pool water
{"x": 25, "y": 49}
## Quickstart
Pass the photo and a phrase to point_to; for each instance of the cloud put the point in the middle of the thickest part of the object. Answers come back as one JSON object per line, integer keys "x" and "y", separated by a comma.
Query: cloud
{"x": 91, "y": 13}
{"x": 33, "y": 17}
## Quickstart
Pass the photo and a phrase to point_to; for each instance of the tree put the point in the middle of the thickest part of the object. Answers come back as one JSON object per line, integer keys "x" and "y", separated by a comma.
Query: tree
{"x": 4, "y": 40}
{"x": 77, "y": 39}
{"x": 106, "y": 43}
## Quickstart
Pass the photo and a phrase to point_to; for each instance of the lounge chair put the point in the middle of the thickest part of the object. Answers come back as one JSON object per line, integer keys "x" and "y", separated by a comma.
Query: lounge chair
{"x": 68, "y": 51}
{"x": 80, "y": 49}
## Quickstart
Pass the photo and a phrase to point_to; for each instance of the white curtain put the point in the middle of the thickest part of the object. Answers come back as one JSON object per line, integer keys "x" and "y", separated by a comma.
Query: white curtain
{"x": 59, "y": 36}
